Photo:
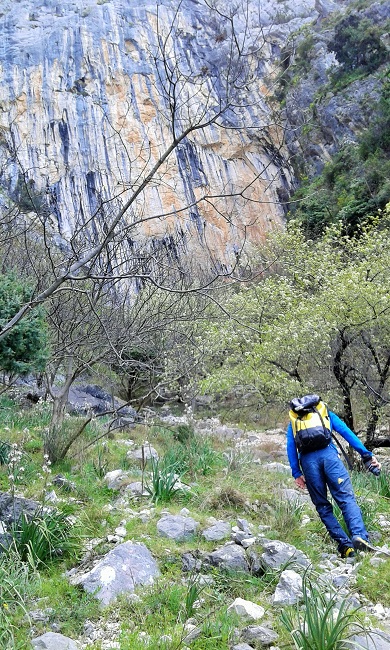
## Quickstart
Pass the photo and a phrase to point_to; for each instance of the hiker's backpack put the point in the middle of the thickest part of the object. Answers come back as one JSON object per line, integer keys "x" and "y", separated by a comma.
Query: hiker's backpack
{"x": 310, "y": 423}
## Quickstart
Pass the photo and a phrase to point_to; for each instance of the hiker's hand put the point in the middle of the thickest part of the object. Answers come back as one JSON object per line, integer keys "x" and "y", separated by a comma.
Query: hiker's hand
{"x": 301, "y": 483}
{"x": 375, "y": 462}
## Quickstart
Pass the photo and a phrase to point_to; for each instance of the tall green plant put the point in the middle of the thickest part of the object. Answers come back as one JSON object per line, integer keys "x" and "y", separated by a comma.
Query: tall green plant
{"x": 45, "y": 536}
{"x": 15, "y": 580}
{"x": 162, "y": 486}
{"x": 325, "y": 621}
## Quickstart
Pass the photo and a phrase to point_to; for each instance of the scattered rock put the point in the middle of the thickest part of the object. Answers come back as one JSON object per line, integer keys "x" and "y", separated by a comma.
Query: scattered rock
{"x": 259, "y": 634}
{"x": 277, "y": 467}
{"x": 116, "y": 479}
{"x": 136, "y": 489}
{"x": 190, "y": 563}
{"x": 11, "y": 508}
{"x": 374, "y": 639}
{"x": 277, "y": 554}
{"x": 288, "y": 494}
{"x": 146, "y": 452}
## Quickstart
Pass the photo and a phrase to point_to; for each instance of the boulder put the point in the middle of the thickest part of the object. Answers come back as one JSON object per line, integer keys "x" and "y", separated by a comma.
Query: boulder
{"x": 259, "y": 635}
{"x": 146, "y": 452}
{"x": 12, "y": 507}
{"x": 216, "y": 532}
{"x": 376, "y": 639}
{"x": 125, "y": 567}
{"x": 116, "y": 479}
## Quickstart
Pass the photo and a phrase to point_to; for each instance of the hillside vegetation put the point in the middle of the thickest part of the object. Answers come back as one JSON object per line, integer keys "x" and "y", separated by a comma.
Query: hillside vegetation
{"x": 229, "y": 480}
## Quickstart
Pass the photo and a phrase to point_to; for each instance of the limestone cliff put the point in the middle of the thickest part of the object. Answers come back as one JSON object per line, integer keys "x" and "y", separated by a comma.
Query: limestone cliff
{"x": 85, "y": 114}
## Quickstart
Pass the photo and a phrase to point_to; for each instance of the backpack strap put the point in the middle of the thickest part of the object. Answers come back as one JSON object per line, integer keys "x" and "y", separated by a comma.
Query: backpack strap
{"x": 338, "y": 443}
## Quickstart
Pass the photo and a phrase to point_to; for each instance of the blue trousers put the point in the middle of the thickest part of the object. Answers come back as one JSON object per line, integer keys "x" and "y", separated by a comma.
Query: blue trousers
{"x": 323, "y": 469}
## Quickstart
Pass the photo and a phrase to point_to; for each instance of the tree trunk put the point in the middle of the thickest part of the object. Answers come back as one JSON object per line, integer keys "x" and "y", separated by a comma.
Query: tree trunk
{"x": 54, "y": 442}
{"x": 340, "y": 372}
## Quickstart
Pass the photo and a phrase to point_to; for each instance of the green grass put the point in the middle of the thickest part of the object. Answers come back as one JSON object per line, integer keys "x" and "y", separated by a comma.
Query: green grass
{"x": 374, "y": 582}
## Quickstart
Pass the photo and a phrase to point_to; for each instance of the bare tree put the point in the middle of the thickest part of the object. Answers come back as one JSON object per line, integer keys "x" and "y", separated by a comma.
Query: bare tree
{"x": 204, "y": 100}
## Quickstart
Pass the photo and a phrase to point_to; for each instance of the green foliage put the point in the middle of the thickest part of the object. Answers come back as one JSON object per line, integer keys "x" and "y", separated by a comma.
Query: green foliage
{"x": 375, "y": 587}
{"x": 15, "y": 581}
{"x": 353, "y": 185}
{"x": 45, "y": 536}
{"x": 357, "y": 44}
{"x": 286, "y": 514}
{"x": 323, "y": 621}
{"x": 195, "y": 457}
{"x": 383, "y": 484}
{"x": 163, "y": 482}
{"x": 322, "y": 319}
{"x": 24, "y": 349}
{"x": 4, "y": 452}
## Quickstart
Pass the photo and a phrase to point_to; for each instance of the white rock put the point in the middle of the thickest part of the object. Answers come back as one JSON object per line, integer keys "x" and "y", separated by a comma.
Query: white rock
{"x": 246, "y": 609}
{"x": 121, "y": 531}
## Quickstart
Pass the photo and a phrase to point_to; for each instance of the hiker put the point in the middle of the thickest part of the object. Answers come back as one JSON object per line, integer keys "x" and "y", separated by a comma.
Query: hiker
{"x": 316, "y": 465}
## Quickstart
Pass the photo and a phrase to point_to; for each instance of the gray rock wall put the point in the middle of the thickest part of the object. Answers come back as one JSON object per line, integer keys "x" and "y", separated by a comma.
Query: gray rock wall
{"x": 83, "y": 104}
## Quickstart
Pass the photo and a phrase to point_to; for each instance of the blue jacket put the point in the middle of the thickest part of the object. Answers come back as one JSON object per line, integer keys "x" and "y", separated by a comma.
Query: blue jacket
{"x": 337, "y": 425}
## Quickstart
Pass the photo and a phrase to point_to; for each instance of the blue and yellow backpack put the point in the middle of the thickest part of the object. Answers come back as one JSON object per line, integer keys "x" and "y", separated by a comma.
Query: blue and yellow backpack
{"x": 310, "y": 423}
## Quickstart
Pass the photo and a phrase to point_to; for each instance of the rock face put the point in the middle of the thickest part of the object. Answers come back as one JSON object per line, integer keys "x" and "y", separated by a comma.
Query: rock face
{"x": 85, "y": 102}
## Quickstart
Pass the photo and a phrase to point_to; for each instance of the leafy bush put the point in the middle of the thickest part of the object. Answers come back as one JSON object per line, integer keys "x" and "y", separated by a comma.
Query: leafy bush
{"x": 46, "y": 536}
{"x": 357, "y": 44}
{"x": 197, "y": 456}
{"x": 24, "y": 349}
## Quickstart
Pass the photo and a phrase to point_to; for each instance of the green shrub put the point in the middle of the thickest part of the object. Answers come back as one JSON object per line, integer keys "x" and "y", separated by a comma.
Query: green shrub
{"x": 197, "y": 456}
{"x": 383, "y": 485}
{"x": 357, "y": 44}
{"x": 24, "y": 349}
{"x": 375, "y": 585}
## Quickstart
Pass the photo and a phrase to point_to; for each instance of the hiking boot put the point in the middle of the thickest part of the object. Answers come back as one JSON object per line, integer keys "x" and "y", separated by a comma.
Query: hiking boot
{"x": 347, "y": 551}
{"x": 361, "y": 544}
